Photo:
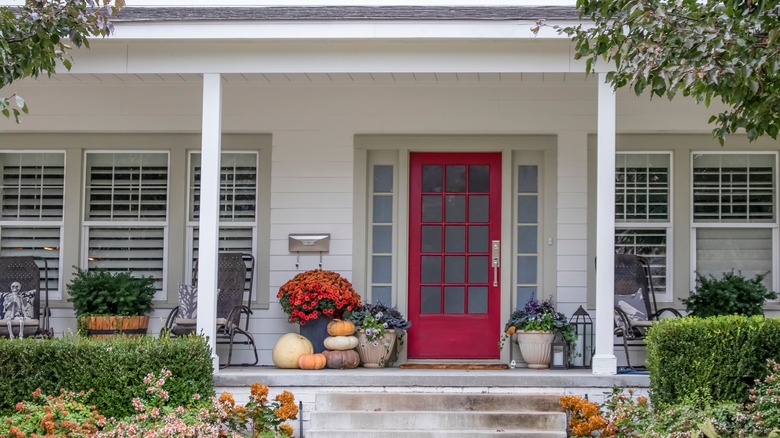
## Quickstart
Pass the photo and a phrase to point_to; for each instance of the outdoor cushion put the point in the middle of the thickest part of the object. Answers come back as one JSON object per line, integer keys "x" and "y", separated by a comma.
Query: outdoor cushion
{"x": 188, "y": 301}
{"x": 185, "y": 321}
{"x": 24, "y": 299}
{"x": 27, "y": 322}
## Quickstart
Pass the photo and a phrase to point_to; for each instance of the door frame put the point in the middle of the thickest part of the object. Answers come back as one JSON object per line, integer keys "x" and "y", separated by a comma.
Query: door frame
{"x": 395, "y": 150}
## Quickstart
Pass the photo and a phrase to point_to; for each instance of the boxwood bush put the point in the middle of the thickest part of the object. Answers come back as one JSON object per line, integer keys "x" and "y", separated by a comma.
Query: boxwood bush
{"x": 113, "y": 367}
{"x": 705, "y": 361}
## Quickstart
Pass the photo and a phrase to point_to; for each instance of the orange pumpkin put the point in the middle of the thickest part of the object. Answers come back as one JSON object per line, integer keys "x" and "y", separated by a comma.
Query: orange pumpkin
{"x": 311, "y": 361}
{"x": 338, "y": 327}
{"x": 342, "y": 359}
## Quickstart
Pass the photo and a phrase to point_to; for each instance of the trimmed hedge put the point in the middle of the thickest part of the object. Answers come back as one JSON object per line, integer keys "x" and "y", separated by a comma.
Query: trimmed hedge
{"x": 709, "y": 360}
{"x": 113, "y": 367}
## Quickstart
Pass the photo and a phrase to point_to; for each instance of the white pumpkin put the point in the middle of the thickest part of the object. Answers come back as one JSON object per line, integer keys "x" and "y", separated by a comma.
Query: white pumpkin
{"x": 289, "y": 348}
{"x": 341, "y": 343}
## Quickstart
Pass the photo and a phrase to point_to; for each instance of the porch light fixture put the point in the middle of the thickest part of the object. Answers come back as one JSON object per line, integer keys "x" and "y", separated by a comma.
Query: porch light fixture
{"x": 582, "y": 355}
{"x": 559, "y": 353}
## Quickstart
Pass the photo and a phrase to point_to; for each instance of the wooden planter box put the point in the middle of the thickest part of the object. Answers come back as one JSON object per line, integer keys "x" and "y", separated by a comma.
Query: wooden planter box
{"x": 107, "y": 326}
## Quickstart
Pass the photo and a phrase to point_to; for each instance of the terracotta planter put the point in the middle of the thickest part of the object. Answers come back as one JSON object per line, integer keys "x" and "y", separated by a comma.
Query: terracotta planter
{"x": 535, "y": 347}
{"x": 107, "y": 326}
{"x": 375, "y": 354}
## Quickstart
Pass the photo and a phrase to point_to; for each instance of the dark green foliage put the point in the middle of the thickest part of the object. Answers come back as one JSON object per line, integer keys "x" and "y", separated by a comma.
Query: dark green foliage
{"x": 707, "y": 361}
{"x": 37, "y": 35}
{"x": 98, "y": 292}
{"x": 114, "y": 368}
{"x": 729, "y": 295}
{"x": 709, "y": 50}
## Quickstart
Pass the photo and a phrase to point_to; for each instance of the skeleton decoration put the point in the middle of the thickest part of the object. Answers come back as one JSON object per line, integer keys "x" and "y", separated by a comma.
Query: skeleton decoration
{"x": 13, "y": 308}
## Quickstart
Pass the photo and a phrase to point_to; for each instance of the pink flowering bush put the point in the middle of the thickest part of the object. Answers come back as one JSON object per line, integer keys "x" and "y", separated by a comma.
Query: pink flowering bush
{"x": 68, "y": 416}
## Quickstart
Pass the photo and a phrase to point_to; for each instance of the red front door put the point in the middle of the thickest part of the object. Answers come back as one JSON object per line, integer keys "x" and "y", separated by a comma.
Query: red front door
{"x": 454, "y": 226}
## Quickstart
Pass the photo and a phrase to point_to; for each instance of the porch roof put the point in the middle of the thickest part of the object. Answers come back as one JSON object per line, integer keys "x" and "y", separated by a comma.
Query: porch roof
{"x": 342, "y": 13}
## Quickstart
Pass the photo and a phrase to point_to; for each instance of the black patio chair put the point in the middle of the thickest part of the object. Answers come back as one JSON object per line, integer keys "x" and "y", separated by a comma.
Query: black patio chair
{"x": 24, "y": 308}
{"x": 235, "y": 279}
{"x": 635, "y": 305}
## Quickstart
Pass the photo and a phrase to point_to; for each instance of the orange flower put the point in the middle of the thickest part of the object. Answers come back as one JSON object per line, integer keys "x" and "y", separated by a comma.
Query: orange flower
{"x": 286, "y": 429}
{"x": 260, "y": 392}
{"x": 511, "y": 330}
{"x": 285, "y": 397}
{"x": 287, "y": 412}
{"x": 227, "y": 397}
{"x": 315, "y": 292}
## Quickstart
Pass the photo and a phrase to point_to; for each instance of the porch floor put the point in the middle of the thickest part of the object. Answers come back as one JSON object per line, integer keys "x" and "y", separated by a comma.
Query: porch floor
{"x": 396, "y": 377}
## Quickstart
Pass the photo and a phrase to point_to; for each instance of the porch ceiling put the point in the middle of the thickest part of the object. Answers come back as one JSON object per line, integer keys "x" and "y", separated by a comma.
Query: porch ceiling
{"x": 323, "y": 77}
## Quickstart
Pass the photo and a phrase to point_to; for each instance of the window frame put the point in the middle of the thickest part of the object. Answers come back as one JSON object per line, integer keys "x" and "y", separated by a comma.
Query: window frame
{"x": 667, "y": 295}
{"x": 22, "y": 224}
{"x": 87, "y": 224}
{"x": 773, "y": 225}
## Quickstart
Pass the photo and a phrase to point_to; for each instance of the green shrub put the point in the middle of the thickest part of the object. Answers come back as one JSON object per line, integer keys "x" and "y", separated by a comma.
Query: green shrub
{"x": 114, "y": 368}
{"x": 732, "y": 294}
{"x": 707, "y": 361}
{"x": 98, "y": 292}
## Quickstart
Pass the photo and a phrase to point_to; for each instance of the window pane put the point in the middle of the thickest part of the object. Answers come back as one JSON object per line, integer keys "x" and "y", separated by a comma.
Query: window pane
{"x": 524, "y": 294}
{"x": 526, "y": 239}
{"x": 478, "y": 269}
{"x": 127, "y": 186}
{"x": 432, "y": 179}
{"x": 430, "y": 299}
{"x": 430, "y": 269}
{"x": 383, "y": 179}
{"x": 454, "y": 299}
{"x": 431, "y": 238}
{"x": 642, "y": 187}
{"x": 456, "y": 178}
{"x": 454, "y": 269}
{"x": 527, "y": 210}
{"x": 231, "y": 239}
{"x": 527, "y": 179}
{"x": 381, "y": 269}
{"x": 382, "y": 294}
{"x": 478, "y": 297}
{"x": 237, "y": 186}
{"x": 648, "y": 243}
{"x": 720, "y": 250}
{"x": 456, "y": 208}
{"x": 455, "y": 239}
{"x": 383, "y": 209}
{"x": 479, "y": 178}
{"x": 40, "y": 242}
{"x": 33, "y": 186}
{"x": 479, "y": 208}
{"x": 140, "y": 250}
{"x": 383, "y": 239}
{"x": 431, "y": 208}
{"x": 734, "y": 188}
{"x": 478, "y": 239}
{"x": 526, "y": 269}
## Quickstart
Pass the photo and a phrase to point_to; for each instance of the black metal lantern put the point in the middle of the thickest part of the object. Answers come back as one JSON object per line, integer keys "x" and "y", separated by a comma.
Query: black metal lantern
{"x": 559, "y": 353}
{"x": 582, "y": 354}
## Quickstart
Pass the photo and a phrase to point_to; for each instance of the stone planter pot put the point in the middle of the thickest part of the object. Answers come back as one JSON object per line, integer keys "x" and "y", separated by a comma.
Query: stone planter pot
{"x": 375, "y": 354}
{"x": 535, "y": 347}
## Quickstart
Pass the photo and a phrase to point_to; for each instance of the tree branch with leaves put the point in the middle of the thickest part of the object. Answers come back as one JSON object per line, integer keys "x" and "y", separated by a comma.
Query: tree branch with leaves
{"x": 38, "y": 35}
{"x": 704, "y": 49}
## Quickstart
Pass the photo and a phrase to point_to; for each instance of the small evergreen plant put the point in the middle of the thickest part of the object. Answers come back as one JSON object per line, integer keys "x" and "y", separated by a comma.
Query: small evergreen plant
{"x": 98, "y": 292}
{"x": 733, "y": 294}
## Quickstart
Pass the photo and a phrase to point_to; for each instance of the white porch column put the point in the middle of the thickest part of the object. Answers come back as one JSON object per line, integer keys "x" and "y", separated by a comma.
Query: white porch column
{"x": 604, "y": 361}
{"x": 208, "y": 249}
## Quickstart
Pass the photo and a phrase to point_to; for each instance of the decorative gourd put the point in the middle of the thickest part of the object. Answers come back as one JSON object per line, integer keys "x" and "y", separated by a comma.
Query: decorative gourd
{"x": 311, "y": 361}
{"x": 341, "y": 342}
{"x": 289, "y": 348}
{"x": 342, "y": 359}
{"x": 338, "y": 327}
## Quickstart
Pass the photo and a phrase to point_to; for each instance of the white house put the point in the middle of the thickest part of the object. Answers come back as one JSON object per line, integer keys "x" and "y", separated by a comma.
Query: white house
{"x": 417, "y": 135}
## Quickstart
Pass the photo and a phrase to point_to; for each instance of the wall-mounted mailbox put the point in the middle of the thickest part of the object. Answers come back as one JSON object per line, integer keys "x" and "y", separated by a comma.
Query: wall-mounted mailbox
{"x": 309, "y": 242}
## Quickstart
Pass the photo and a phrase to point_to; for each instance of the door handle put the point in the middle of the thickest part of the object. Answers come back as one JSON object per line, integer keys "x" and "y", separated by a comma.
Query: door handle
{"x": 495, "y": 249}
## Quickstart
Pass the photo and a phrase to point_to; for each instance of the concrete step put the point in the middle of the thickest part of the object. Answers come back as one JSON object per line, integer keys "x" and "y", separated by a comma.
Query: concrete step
{"x": 502, "y": 433}
{"x": 437, "y": 402}
{"x": 437, "y": 420}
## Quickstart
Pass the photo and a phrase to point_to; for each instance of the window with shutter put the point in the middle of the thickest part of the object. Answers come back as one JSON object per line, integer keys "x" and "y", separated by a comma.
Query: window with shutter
{"x": 31, "y": 209}
{"x": 733, "y": 213}
{"x": 643, "y": 211}
{"x": 237, "y": 204}
{"x": 126, "y": 213}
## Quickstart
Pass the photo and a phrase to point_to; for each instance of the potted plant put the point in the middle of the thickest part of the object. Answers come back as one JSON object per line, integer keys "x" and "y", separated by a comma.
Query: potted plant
{"x": 729, "y": 295}
{"x": 313, "y": 298}
{"x": 535, "y": 325}
{"x": 107, "y": 303}
{"x": 380, "y": 332}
